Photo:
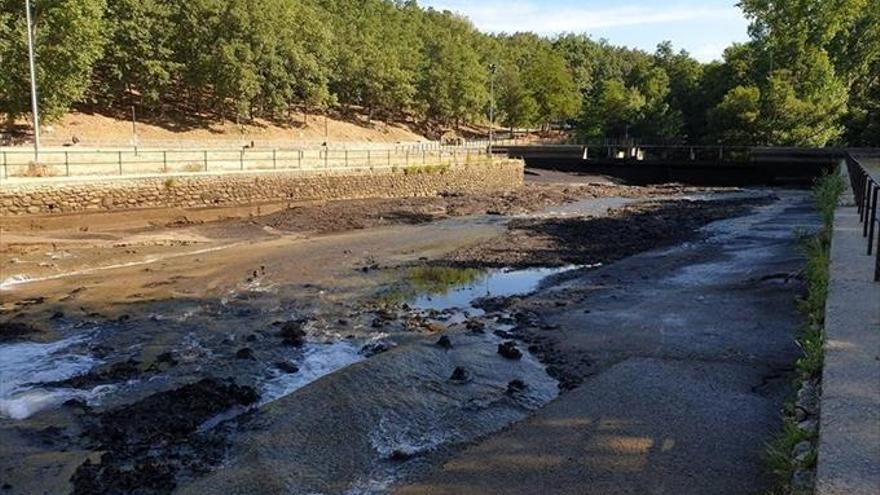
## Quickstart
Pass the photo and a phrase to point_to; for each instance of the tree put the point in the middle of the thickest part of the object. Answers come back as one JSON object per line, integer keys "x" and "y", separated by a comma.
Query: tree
{"x": 552, "y": 88}
{"x": 138, "y": 61}
{"x": 453, "y": 86}
{"x": 516, "y": 105}
{"x": 68, "y": 41}
{"x": 735, "y": 121}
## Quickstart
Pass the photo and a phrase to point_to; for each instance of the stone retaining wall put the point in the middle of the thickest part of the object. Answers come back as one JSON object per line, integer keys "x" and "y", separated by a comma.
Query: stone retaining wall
{"x": 240, "y": 189}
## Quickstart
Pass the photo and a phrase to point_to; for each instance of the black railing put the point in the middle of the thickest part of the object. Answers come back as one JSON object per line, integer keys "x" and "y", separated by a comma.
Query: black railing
{"x": 866, "y": 190}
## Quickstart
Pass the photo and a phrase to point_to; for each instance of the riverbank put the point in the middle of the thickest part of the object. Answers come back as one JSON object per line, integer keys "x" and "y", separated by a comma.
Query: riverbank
{"x": 231, "y": 341}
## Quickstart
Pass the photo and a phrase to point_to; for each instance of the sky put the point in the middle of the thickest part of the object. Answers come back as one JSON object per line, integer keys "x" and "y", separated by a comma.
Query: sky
{"x": 702, "y": 27}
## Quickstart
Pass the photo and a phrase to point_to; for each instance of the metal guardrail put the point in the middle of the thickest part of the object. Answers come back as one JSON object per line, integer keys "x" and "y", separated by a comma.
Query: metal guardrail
{"x": 866, "y": 190}
{"x": 73, "y": 163}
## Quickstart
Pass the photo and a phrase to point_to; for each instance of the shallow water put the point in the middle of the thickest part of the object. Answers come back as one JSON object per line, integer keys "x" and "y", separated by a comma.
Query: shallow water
{"x": 490, "y": 283}
{"x": 318, "y": 360}
{"x": 24, "y": 366}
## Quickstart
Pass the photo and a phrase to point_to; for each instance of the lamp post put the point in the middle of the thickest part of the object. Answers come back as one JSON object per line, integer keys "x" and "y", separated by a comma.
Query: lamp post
{"x": 492, "y": 70}
{"x": 35, "y": 109}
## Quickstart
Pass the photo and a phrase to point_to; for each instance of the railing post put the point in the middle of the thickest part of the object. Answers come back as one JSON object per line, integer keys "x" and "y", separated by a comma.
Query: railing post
{"x": 299, "y": 160}
{"x": 165, "y": 161}
{"x": 206, "y": 160}
{"x": 369, "y": 160}
{"x": 326, "y": 159}
{"x": 274, "y": 159}
{"x": 241, "y": 159}
{"x": 5, "y": 166}
{"x": 66, "y": 163}
{"x": 120, "y": 162}
{"x": 346, "y": 157}
{"x": 873, "y": 220}
{"x": 389, "y": 156}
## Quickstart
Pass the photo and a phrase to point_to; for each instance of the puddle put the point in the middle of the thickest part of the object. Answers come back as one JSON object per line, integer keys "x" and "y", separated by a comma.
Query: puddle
{"x": 23, "y": 367}
{"x": 443, "y": 288}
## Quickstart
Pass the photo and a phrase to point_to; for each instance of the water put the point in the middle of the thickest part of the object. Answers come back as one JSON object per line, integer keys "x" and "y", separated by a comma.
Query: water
{"x": 318, "y": 360}
{"x": 24, "y": 366}
{"x": 492, "y": 283}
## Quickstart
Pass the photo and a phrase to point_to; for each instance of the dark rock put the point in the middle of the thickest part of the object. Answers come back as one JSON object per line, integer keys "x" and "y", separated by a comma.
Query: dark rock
{"x": 57, "y": 315}
{"x": 401, "y": 455}
{"x": 460, "y": 375}
{"x": 375, "y": 348}
{"x": 146, "y": 444}
{"x": 504, "y": 334}
{"x": 246, "y": 353}
{"x": 112, "y": 373}
{"x": 444, "y": 342}
{"x": 15, "y": 330}
{"x": 287, "y": 367}
{"x": 293, "y": 333}
{"x": 509, "y": 350}
{"x": 166, "y": 357}
{"x": 123, "y": 318}
{"x": 516, "y": 386}
{"x": 476, "y": 326}
{"x": 252, "y": 338}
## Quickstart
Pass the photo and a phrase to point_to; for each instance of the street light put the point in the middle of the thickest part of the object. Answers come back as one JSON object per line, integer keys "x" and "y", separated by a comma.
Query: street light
{"x": 492, "y": 70}
{"x": 36, "y": 111}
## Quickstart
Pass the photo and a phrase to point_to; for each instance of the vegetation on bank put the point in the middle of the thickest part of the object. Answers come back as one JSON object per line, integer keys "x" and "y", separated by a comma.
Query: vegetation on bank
{"x": 811, "y": 340}
{"x": 809, "y": 75}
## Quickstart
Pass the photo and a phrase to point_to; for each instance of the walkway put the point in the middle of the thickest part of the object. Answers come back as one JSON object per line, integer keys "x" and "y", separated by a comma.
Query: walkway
{"x": 849, "y": 447}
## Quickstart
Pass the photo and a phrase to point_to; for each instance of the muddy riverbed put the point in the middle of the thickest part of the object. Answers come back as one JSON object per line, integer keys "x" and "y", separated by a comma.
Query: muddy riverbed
{"x": 336, "y": 348}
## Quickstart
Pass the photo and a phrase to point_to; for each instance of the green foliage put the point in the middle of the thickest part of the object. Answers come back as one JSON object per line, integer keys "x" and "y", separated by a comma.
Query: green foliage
{"x": 68, "y": 39}
{"x": 810, "y": 76}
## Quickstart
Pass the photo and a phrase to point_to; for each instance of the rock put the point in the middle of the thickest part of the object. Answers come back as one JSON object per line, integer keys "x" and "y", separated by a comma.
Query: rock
{"x": 14, "y": 330}
{"x": 434, "y": 327}
{"x": 245, "y": 353}
{"x": 444, "y": 342}
{"x": 516, "y": 386}
{"x": 287, "y": 367}
{"x": 166, "y": 357}
{"x": 809, "y": 425}
{"x": 460, "y": 375}
{"x": 293, "y": 333}
{"x": 374, "y": 348}
{"x": 476, "y": 326}
{"x": 801, "y": 451}
{"x": 808, "y": 398}
{"x": 401, "y": 455}
{"x": 252, "y": 338}
{"x": 509, "y": 350}
{"x": 802, "y": 481}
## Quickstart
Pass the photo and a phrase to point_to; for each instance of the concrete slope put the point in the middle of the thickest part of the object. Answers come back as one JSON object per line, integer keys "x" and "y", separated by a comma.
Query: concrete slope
{"x": 686, "y": 357}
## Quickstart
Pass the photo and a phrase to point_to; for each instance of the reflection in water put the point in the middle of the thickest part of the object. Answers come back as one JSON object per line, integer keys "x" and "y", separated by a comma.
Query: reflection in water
{"x": 443, "y": 288}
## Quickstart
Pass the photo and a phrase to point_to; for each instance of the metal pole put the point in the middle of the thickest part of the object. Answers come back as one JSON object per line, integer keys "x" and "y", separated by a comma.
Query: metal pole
{"x": 492, "y": 69}
{"x": 31, "y": 58}
{"x": 134, "y": 132}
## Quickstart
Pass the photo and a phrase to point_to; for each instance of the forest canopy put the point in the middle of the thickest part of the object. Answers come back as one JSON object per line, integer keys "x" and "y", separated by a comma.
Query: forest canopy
{"x": 809, "y": 76}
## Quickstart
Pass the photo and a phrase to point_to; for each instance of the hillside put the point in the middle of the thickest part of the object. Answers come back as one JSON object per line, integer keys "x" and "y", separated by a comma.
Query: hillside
{"x": 93, "y": 130}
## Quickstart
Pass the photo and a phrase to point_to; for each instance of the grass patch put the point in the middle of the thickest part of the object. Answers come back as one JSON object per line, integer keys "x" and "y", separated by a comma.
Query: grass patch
{"x": 426, "y": 169}
{"x": 811, "y": 338}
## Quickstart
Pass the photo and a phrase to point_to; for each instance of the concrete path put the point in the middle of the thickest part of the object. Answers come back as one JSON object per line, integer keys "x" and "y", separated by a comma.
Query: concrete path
{"x": 849, "y": 442}
{"x": 688, "y": 355}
